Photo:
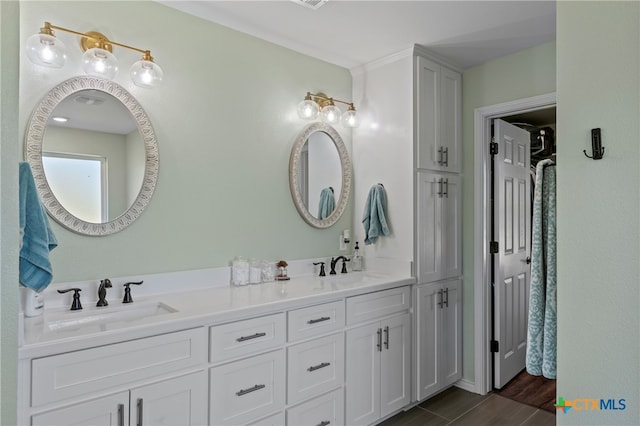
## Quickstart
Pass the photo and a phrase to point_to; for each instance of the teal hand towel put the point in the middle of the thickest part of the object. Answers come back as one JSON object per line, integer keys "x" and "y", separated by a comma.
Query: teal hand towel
{"x": 327, "y": 203}
{"x": 374, "y": 217}
{"x": 35, "y": 270}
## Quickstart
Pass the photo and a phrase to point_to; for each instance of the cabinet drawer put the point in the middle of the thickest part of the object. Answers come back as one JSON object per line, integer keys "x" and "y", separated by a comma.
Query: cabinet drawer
{"x": 241, "y": 338}
{"x": 243, "y": 391}
{"x": 378, "y": 304}
{"x": 315, "y": 367}
{"x": 275, "y": 420}
{"x": 315, "y": 320}
{"x": 325, "y": 410}
{"x": 72, "y": 374}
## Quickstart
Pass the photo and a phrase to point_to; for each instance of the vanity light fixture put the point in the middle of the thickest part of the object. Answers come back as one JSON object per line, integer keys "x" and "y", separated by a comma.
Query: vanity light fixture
{"x": 315, "y": 104}
{"x": 46, "y": 50}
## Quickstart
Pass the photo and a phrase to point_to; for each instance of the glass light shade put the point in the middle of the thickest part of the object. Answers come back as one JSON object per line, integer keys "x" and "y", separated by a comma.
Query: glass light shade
{"x": 100, "y": 63}
{"x": 308, "y": 110}
{"x": 46, "y": 50}
{"x": 350, "y": 119}
{"x": 330, "y": 114}
{"x": 146, "y": 74}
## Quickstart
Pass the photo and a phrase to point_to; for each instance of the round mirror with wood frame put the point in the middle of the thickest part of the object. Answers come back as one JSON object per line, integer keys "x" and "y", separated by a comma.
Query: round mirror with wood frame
{"x": 140, "y": 191}
{"x": 299, "y": 180}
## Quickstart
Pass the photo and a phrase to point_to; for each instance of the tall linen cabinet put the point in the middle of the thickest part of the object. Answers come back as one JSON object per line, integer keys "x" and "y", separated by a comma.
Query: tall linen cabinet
{"x": 410, "y": 141}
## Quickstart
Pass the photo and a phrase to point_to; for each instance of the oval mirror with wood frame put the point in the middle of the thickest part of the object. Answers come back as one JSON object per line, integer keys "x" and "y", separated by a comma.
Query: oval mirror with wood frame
{"x": 320, "y": 175}
{"x": 94, "y": 155}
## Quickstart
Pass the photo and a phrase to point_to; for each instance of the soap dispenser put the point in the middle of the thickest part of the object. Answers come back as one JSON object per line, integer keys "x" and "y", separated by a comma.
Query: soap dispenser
{"x": 356, "y": 259}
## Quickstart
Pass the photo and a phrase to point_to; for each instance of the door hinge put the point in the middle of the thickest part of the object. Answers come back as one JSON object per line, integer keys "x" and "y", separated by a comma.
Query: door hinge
{"x": 493, "y": 247}
{"x": 495, "y": 346}
{"x": 493, "y": 148}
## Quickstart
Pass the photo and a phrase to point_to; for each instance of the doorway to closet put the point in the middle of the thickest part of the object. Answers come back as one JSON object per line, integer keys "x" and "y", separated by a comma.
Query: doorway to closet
{"x": 495, "y": 367}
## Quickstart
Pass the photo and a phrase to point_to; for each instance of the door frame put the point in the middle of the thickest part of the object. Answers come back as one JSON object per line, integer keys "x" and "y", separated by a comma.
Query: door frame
{"x": 482, "y": 225}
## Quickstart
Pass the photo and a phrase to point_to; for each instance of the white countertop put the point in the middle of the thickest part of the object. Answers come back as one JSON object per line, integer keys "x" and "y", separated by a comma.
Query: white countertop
{"x": 195, "y": 308}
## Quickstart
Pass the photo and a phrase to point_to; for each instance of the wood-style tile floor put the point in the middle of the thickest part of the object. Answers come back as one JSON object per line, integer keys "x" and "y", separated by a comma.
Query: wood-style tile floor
{"x": 458, "y": 407}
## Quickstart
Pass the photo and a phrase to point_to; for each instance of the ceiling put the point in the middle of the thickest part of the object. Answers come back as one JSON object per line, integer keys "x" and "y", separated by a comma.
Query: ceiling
{"x": 350, "y": 33}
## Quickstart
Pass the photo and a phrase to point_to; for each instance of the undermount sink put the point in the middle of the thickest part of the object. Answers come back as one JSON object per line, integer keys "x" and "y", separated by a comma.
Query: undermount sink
{"x": 104, "y": 317}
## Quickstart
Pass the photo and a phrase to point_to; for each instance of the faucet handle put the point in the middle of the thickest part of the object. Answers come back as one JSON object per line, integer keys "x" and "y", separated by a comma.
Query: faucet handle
{"x": 322, "y": 274}
{"x": 75, "y": 305}
{"x": 344, "y": 265}
{"x": 127, "y": 292}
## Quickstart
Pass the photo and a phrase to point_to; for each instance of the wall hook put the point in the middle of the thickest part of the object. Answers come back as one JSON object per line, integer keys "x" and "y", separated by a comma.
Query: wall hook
{"x": 596, "y": 145}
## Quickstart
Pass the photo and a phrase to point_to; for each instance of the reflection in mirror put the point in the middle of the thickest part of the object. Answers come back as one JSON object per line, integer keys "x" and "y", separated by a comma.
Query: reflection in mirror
{"x": 320, "y": 175}
{"x": 94, "y": 155}
{"x": 320, "y": 180}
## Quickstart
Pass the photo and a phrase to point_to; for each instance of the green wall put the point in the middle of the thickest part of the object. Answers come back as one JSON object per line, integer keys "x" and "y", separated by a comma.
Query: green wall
{"x": 521, "y": 75}
{"x": 9, "y": 222}
{"x": 598, "y": 208}
{"x": 225, "y": 119}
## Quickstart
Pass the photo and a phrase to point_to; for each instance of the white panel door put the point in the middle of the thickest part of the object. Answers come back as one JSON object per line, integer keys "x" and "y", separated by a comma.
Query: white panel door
{"x": 450, "y": 227}
{"x": 395, "y": 365}
{"x": 450, "y": 365}
{"x": 428, "y": 113}
{"x": 428, "y": 210}
{"x": 428, "y": 326}
{"x": 112, "y": 410}
{"x": 451, "y": 114}
{"x": 363, "y": 374}
{"x": 512, "y": 231}
{"x": 179, "y": 401}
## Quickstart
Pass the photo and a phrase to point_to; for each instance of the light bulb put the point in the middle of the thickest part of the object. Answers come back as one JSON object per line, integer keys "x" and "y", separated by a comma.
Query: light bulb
{"x": 146, "y": 74}
{"x": 46, "y": 50}
{"x": 349, "y": 118}
{"x": 100, "y": 63}
{"x": 330, "y": 114}
{"x": 308, "y": 109}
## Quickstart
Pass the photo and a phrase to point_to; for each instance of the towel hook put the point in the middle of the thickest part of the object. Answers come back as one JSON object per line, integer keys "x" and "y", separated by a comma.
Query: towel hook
{"x": 596, "y": 145}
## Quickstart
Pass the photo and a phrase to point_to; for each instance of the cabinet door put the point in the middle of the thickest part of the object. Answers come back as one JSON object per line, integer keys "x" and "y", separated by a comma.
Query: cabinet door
{"x": 428, "y": 113}
{"x": 179, "y": 401}
{"x": 428, "y": 222}
{"x": 450, "y": 364}
{"x": 450, "y": 137}
{"x": 395, "y": 364}
{"x": 450, "y": 227}
{"x": 428, "y": 300}
{"x": 363, "y": 374}
{"x": 110, "y": 410}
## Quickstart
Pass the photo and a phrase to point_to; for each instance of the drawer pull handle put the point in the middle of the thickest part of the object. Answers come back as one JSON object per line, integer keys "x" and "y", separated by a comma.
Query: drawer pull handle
{"x": 319, "y": 366}
{"x": 379, "y": 345}
{"x": 253, "y": 389}
{"x": 324, "y": 423}
{"x": 317, "y": 320}
{"x": 253, "y": 336}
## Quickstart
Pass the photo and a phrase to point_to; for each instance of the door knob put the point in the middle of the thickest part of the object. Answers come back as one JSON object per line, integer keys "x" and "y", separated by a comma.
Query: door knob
{"x": 527, "y": 260}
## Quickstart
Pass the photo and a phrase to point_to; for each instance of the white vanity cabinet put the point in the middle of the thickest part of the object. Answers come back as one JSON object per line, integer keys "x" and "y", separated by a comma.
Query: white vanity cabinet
{"x": 438, "y": 313}
{"x": 378, "y": 366}
{"x": 439, "y": 221}
{"x": 126, "y": 383}
{"x": 284, "y": 363}
{"x": 439, "y": 115}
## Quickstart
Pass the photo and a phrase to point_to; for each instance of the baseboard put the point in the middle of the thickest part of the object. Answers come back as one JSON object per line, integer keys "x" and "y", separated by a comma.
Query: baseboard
{"x": 467, "y": 385}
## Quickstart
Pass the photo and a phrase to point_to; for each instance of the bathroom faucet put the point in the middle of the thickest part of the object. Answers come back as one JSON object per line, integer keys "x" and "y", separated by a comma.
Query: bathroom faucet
{"x": 102, "y": 292}
{"x": 333, "y": 265}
